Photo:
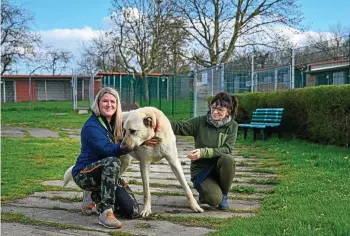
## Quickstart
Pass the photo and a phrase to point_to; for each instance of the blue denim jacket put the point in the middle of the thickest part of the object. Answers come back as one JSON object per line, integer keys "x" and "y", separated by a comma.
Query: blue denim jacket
{"x": 96, "y": 144}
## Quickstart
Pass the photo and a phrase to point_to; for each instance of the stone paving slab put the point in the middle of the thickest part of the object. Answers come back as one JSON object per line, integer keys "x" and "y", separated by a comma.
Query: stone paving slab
{"x": 17, "y": 229}
{"x": 16, "y": 132}
{"x": 135, "y": 226}
{"x": 175, "y": 182}
{"x": 165, "y": 168}
{"x": 137, "y": 189}
{"x": 71, "y": 184}
{"x": 168, "y": 175}
{"x": 160, "y": 204}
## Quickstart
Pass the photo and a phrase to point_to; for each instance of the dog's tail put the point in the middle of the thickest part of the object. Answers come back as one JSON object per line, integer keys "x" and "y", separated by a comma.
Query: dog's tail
{"x": 67, "y": 176}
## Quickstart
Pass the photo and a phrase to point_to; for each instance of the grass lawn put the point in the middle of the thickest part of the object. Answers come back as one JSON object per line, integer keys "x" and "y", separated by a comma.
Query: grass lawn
{"x": 312, "y": 197}
{"x": 56, "y": 115}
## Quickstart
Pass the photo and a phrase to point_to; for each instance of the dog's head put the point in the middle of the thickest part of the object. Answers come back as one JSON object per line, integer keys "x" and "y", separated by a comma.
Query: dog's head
{"x": 138, "y": 127}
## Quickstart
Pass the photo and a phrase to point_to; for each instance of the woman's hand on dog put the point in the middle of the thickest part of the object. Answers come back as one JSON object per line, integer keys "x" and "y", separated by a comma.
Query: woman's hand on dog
{"x": 194, "y": 155}
{"x": 152, "y": 142}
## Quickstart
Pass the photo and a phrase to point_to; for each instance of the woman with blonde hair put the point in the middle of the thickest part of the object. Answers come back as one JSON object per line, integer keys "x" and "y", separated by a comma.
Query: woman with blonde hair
{"x": 97, "y": 168}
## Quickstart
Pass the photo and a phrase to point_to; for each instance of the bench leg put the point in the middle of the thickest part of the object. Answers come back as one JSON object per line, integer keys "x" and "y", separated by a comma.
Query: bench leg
{"x": 245, "y": 132}
{"x": 255, "y": 131}
{"x": 279, "y": 134}
{"x": 266, "y": 134}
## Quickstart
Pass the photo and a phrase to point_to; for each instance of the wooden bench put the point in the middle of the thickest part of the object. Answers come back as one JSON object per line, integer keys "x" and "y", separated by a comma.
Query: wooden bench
{"x": 267, "y": 120}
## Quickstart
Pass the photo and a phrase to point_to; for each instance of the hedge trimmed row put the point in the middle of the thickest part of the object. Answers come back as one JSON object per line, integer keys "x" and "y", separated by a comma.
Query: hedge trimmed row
{"x": 320, "y": 114}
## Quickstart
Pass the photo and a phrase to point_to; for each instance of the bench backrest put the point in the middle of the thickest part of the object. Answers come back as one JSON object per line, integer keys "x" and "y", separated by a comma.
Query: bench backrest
{"x": 267, "y": 115}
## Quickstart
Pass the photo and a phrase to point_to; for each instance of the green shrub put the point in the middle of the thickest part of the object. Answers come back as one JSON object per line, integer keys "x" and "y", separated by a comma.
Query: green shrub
{"x": 320, "y": 114}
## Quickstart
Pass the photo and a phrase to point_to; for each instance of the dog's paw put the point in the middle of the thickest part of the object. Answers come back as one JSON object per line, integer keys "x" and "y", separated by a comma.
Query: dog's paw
{"x": 196, "y": 208}
{"x": 146, "y": 212}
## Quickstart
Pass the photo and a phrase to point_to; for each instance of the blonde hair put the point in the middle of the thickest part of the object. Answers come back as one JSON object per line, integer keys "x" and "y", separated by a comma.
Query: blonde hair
{"x": 118, "y": 129}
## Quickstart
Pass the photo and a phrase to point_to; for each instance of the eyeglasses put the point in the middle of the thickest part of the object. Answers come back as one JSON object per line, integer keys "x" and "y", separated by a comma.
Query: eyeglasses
{"x": 219, "y": 110}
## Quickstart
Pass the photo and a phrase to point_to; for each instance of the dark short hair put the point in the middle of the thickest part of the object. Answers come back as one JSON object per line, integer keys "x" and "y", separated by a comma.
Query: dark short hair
{"x": 223, "y": 99}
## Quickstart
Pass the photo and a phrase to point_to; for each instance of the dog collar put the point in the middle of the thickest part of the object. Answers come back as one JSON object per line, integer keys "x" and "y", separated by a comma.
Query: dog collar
{"x": 156, "y": 128}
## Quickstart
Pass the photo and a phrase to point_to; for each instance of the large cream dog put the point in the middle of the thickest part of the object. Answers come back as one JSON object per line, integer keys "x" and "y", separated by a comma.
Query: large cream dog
{"x": 143, "y": 124}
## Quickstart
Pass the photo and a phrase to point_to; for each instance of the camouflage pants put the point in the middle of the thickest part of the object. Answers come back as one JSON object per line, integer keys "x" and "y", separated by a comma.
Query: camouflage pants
{"x": 101, "y": 179}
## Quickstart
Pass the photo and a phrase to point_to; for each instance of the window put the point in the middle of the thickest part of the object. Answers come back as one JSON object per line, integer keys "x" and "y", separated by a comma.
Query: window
{"x": 338, "y": 78}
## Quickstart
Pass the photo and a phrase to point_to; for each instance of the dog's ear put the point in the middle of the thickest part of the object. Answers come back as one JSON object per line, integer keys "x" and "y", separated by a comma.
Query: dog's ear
{"x": 148, "y": 121}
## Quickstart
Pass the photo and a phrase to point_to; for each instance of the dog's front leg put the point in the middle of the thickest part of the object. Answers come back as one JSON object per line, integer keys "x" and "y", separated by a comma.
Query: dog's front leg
{"x": 125, "y": 162}
{"x": 144, "y": 167}
{"x": 176, "y": 167}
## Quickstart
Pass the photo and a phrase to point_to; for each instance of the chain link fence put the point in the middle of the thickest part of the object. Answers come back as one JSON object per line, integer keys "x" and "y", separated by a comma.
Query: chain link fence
{"x": 185, "y": 95}
{"x": 171, "y": 94}
{"x": 39, "y": 91}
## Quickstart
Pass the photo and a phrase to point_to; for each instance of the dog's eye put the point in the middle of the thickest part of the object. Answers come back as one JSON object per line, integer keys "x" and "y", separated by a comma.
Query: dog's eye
{"x": 132, "y": 131}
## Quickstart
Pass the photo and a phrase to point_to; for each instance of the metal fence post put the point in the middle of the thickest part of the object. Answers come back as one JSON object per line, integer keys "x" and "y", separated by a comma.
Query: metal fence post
{"x": 92, "y": 90}
{"x": 159, "y": 93}
{"x": 252, "y": 76}
{"x": 30, "y": 92}
{"x": 4, "y": 91}
{"x": 276, "y": 78}
{"x": 212, "y": 82}
{"x": 195, "y": 94}
{"x": 75, "y": 105}
{"x": 222, "y": 77}
{"x": 120, "y": 85}
{"x": 292, "y": 79}
{"x": 173, "y": 96}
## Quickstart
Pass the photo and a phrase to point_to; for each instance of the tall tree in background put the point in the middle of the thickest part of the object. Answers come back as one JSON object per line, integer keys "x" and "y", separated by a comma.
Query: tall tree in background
{"x": 139, "y": 26}
{"x": 17, "y": 41}
{"x": 100, "y": 54}
{"x": 57, "y": 61}
{"x": 218, "y": 27}
{"x": 324, "y": 46}
{"x": 172, "y": 45}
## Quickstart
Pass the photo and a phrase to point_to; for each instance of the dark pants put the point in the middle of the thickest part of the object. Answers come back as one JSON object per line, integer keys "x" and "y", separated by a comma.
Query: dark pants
{"x": 101, "y": 178}
{"x": 218, "y": 181}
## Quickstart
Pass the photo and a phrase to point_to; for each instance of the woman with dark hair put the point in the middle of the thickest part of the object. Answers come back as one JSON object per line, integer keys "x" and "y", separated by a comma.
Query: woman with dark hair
{"x": 212, "y": 162}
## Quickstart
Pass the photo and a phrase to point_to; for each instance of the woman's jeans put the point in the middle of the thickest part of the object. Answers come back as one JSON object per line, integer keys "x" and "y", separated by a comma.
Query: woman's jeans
{"x": 219, "y": 180}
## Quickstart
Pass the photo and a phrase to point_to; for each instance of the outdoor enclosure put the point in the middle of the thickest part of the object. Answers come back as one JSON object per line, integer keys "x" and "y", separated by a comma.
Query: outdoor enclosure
{"x": 185, "y": 95}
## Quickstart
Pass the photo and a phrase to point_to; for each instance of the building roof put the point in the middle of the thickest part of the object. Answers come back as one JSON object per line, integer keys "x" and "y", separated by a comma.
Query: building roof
{"x": 129, "y": 73}
{"x": 47, "y": 76}
{"x": 326, "y": 65}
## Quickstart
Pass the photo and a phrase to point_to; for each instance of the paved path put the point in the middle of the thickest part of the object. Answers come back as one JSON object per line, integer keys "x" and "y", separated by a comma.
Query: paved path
{"x": 168, "y": 201}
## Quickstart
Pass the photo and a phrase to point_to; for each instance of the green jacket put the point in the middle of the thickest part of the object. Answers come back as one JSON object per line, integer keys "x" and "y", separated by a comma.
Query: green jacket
{"x": 212, "y": 141}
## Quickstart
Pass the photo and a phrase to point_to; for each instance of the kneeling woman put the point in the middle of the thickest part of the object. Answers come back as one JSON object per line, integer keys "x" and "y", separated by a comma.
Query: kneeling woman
{"x": 96, "y": 170}
{"x": 212, "y": 162}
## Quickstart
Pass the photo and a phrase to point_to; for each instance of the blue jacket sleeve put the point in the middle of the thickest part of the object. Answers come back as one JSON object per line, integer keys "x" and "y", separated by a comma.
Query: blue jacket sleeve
{"x": 99, "y": 142}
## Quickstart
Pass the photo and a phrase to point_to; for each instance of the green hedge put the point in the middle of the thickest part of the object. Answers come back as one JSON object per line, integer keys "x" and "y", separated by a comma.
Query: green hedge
{"x": 320, "y": 114}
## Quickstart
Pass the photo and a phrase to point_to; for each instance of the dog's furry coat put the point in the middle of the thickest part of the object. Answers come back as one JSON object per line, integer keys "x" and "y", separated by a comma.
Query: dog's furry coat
{"x": 141, "y": 125}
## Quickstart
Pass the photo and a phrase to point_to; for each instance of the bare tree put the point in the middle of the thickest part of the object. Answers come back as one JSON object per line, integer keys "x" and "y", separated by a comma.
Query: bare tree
{"x": 323, "y": 46}
{"x": 139, "y": 28}
{"x": 219, "y": 27}
{"x": 171, "y": 46}
{"x": 57, "y": 60}
{"x": 101, "y": 54}
{"x": 88, "y": 63}
{"x": 17, "y": 40}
